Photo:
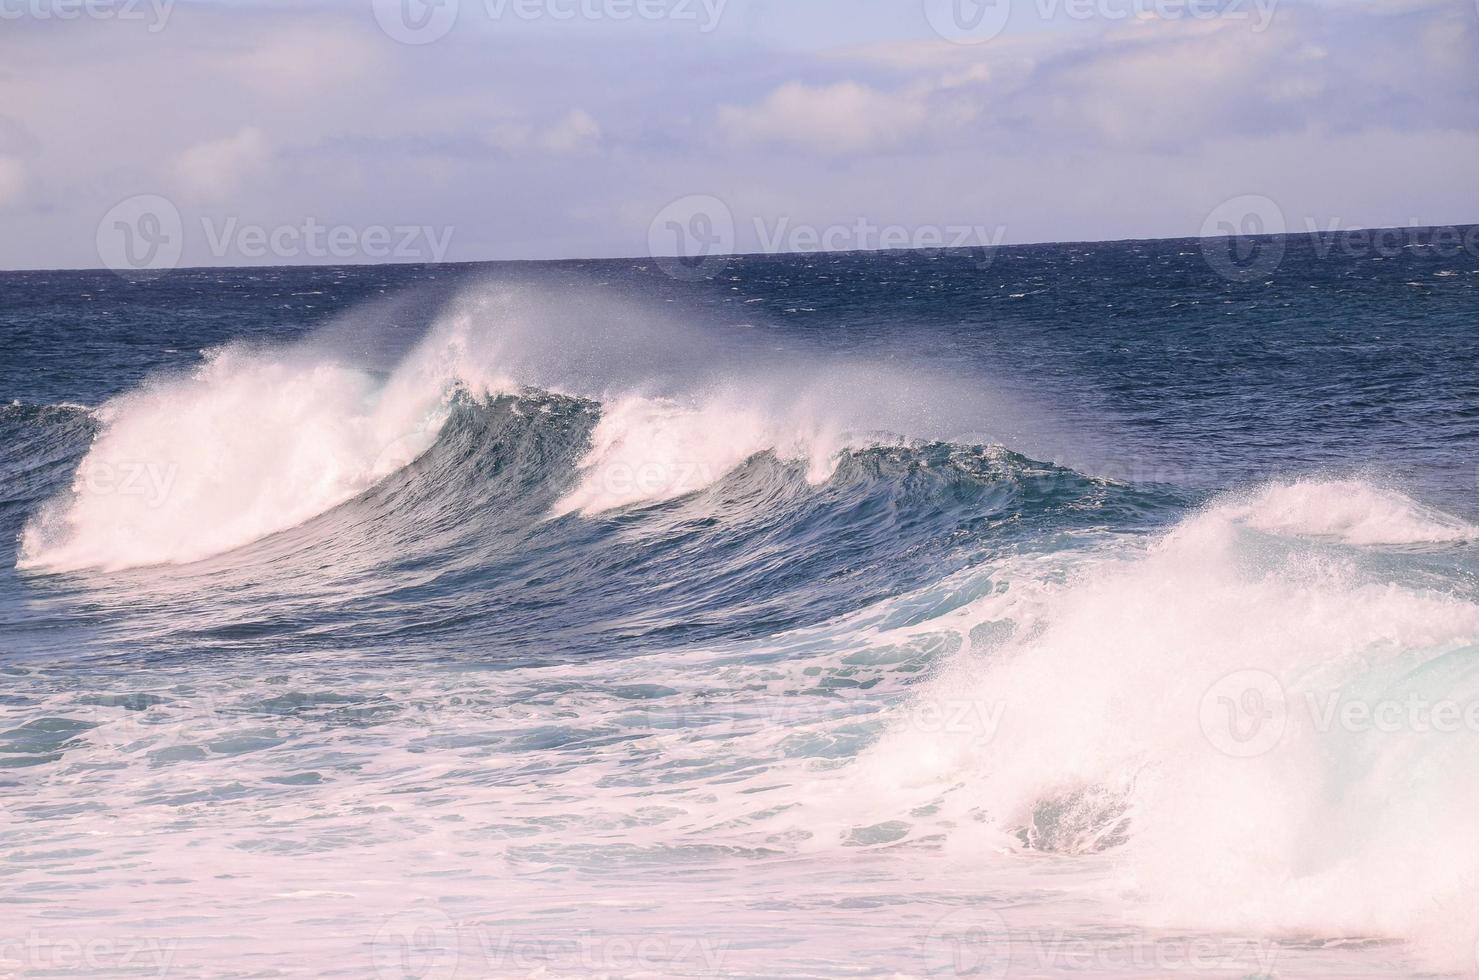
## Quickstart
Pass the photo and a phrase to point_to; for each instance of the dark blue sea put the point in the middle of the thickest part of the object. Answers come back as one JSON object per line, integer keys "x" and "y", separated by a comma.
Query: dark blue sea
{"x": 1108, "y": 609}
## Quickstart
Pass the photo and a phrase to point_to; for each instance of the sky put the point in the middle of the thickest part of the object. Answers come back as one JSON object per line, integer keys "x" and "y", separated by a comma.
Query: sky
{"x": 152, "y": 133}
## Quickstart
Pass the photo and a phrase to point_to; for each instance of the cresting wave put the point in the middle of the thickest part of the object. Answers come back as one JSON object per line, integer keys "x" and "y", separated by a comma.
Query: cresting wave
{"x": 256, "y": 441}
{"x": 1262, "y": 716}
{"x": 1173, "y": 693}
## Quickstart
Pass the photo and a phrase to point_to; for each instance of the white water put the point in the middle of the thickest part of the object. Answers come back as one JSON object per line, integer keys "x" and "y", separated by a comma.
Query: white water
{"x": 185, "y": 468}
{"x": 1280, "y": 737}
{"x": 1352, "y": 511}
{"x": 1255, "y": 728}
{"x": 755, "y": 809}
{"x": 256, "y": 441}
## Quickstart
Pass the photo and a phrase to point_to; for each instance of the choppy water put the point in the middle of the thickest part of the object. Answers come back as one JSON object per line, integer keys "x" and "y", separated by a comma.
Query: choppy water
{"x": 843, "y": 615}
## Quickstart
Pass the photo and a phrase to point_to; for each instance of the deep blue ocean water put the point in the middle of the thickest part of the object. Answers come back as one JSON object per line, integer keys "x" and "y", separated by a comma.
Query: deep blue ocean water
{"x": 1060, "y": 608}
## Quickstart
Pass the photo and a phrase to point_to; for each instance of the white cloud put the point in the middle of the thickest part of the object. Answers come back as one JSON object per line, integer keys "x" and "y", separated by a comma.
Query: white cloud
{"x": 216, "y": 170}
{"x": 1094, "y": 130}
{"x": 313, "y": 57}
{"x": 576, "y": 131}
{"x": 12, "y": 180}
{"x": 832, "y": 119}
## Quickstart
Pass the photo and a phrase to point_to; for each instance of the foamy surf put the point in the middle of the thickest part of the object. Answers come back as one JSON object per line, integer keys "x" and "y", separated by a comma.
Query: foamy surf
{"x": 566, "y": 633}
{"x": 1267, "y": 738}
{"x": 1352, "y": 511}
{"x": 194, "y": 466}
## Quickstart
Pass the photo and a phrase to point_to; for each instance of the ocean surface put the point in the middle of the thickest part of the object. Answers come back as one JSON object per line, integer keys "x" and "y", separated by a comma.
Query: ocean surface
{"x": 1063, "y": 609}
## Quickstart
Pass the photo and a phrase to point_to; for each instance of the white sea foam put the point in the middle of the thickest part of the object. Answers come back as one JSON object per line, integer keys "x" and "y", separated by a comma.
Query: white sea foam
{"x": 251, "y": 443}
{"x": 1079, "y": 691}
{"x": 1281, "y": 741}
{"x": 256, "y": 441}
{"x": 1352, "y": 511}
{"x": 646, "y": 450}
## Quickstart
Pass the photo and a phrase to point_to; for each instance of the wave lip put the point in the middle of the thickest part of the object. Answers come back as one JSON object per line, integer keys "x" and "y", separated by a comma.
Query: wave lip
{"x": 257, "y": 441}
{"x": 1351, "y": 511}
{"x": 649, "y": 450}
{"x": 250, "y": 444}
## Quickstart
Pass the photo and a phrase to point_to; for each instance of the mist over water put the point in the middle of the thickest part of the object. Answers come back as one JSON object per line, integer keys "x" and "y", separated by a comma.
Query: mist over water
{"x": 874, "y": 615}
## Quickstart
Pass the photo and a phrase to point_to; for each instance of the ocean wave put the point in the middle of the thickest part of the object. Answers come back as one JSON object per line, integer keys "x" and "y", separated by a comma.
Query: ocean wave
{"x": 192, "y": 466}
{"x": 189, "y": 467}
{"x": 1356, "y": 512}
{"x": 1268, "y": 735}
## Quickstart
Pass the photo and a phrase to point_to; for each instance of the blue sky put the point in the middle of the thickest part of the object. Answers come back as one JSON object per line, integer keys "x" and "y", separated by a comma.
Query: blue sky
{"x": 556, "y": 128}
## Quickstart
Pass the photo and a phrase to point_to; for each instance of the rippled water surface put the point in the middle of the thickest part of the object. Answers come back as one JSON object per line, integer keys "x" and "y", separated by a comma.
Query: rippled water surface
{"x": 899, "y": 614}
